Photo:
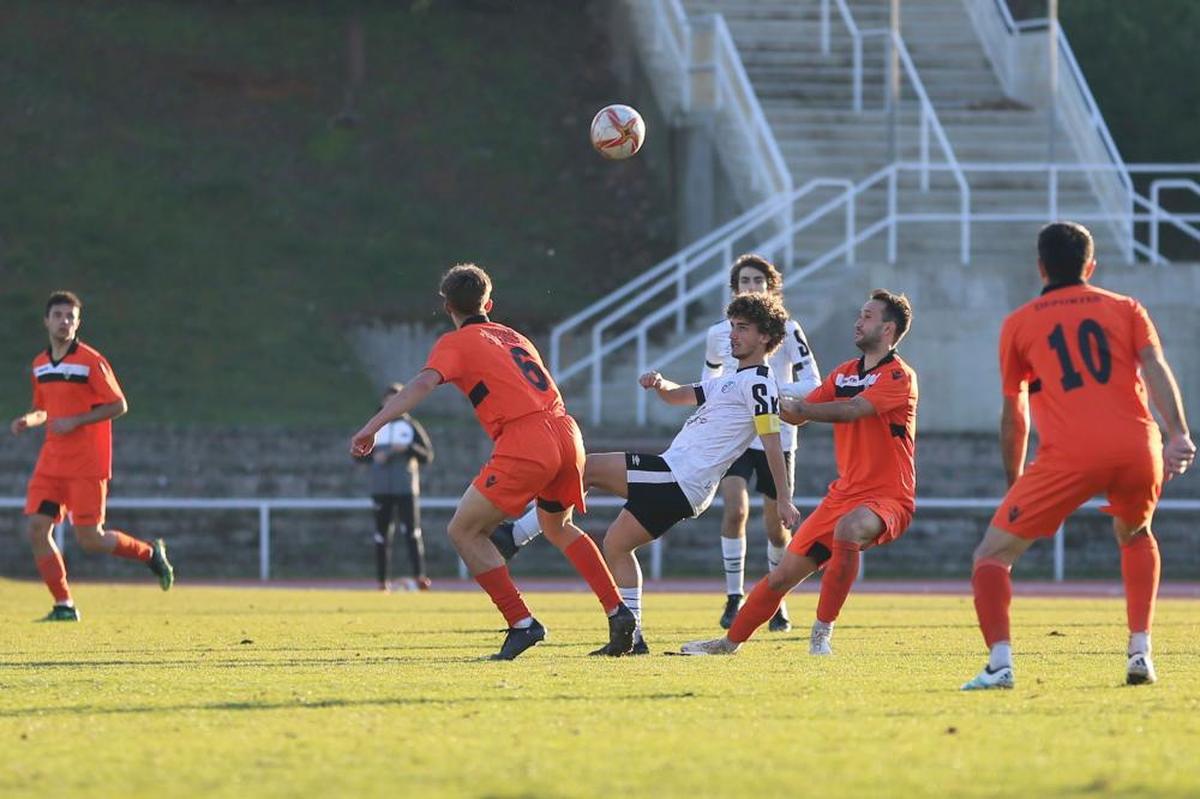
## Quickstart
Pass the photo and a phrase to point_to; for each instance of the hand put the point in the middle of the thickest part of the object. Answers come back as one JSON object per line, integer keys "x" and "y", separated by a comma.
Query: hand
{"x": 788, "y": 514}
{"x": 791, "y": 410}
{"x": 650, "y": 380}
{"x": 362, "y": 443}
{"x": 64, "y": 425}
{"x": 1178, "y": 455}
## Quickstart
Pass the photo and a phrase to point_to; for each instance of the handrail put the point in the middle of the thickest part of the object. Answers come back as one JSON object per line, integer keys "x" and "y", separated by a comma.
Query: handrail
{"x": 930, "y": 119}
{"x": 1158, "y": 214}
{"x": 855, "y": 44}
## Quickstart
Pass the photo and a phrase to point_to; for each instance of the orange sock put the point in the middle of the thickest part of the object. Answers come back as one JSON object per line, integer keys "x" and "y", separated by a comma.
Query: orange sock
{"x": 1140, "y": 569}
{"x": 759, "y": 606}
{"x": 840, "y": 574}
{"x": 132, "y": 548}
{"x": 991, "y": 581}
{"x": 54, "y": 575}
{"x": 504, "y": 594}
{"x": 585, "y": 557}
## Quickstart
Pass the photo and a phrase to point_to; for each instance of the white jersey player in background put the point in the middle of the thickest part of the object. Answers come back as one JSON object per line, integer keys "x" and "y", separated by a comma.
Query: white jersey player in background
{"x": 795, "y": 370}
{"x": 662, "y": 490}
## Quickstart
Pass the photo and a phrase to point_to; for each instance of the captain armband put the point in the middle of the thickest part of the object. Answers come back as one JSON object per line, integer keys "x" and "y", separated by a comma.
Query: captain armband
{"x": 766, "y": 424}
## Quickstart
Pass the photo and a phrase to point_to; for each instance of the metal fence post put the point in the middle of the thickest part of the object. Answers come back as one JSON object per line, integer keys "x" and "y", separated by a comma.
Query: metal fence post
{"x": 656, "y": 548}
{"x": 264, "y": 542}
{"x": 1060, "y": 553}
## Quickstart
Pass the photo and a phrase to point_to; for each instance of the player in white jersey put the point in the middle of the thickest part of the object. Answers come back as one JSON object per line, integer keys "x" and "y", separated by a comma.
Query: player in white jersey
{"x": 795, "y": 370}
{"x": 679, "y": 484}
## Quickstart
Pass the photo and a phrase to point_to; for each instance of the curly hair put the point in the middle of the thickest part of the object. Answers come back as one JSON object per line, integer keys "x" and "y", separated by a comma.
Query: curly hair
{"x": 764, "y": 311}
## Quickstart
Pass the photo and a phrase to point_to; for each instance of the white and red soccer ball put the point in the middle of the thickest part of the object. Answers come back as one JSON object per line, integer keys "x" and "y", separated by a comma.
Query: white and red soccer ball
{"x": 618, "y": 131}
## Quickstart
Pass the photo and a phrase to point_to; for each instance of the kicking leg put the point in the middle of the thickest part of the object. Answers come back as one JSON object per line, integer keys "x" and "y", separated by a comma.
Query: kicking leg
{"x": 94, "y": 538}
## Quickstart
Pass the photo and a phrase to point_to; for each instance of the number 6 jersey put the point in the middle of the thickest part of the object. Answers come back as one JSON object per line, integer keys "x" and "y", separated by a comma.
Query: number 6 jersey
{"x": 733, "y": 411}
{"x": 498, "y": 369}
{"x": 1076, "y": 349}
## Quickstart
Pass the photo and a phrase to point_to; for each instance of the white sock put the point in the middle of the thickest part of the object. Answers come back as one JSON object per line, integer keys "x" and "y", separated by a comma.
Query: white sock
{"x": 1139, "y": 642}
{"x": 823, "y": 627}
{"x": 526, "y": 528}
{"x": 523, "y": 623}
{"x": 1001, "y": 656}
{"x": 734, "y": 552}
{"x": 68, "y": 603}
{"x": 774, "y": 555}
{"x": 632, "y": 597}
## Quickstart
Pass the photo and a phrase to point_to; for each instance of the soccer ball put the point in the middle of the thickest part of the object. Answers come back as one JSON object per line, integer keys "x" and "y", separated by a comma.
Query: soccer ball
{"x": 617, "y": 131}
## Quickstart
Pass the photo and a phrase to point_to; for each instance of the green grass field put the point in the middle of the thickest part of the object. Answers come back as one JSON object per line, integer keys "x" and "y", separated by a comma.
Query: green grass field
{"x": 231, "y": 692}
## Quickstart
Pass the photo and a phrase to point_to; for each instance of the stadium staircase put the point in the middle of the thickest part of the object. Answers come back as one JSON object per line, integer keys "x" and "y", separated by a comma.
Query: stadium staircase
{"x": 807, "y": 97}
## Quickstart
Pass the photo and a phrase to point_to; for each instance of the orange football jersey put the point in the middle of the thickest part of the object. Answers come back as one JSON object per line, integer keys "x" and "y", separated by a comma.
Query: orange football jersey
{"x": 76, "y": 384}
{"x": 876, "y": 454}
{"x": 1076, "y": 350}
{"x": 498, "y": 369}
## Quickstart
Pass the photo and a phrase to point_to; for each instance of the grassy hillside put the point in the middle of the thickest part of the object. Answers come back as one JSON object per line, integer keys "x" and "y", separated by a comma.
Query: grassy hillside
{"x": 188, "y": 169}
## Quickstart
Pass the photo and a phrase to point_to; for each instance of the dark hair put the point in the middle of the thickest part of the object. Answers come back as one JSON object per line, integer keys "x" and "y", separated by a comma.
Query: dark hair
{"x": 63, "y": 297}
{"x": 896, "y": 309}
{"x": 774, "y": 279}
{"x": 1065, "y": 249}
{"x": 466, "y": 289}
{"x": 764, "y": 311}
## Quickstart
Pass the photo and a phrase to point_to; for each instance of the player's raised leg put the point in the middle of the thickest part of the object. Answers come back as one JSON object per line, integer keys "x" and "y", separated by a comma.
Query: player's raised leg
{"x": 1140, "y": 570}
{"x": 991, "y": 582}
{"x": 736, "y": 511}
{"x": 474, "y": 518}
{"x": 94, "y": 538}
{"x": 51, "y": 567}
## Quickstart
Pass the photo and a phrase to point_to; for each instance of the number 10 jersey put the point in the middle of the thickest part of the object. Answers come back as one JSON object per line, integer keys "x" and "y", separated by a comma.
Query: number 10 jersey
{"x": 1076, "y": 350}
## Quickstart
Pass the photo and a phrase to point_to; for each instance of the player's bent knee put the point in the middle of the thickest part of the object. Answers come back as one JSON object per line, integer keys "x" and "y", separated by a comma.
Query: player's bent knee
{"x": 90, "y": 539}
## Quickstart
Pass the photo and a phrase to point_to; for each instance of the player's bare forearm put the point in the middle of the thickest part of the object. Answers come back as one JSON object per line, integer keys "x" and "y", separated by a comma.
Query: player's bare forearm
{"x": 1014, "y": 435}
{"x": 670, "y": 393}
{"x": 398, "y": 404}
{"x": 796, "y": 411}
{"x": 773, "y": 448}
{"x": 1164, "y": 391}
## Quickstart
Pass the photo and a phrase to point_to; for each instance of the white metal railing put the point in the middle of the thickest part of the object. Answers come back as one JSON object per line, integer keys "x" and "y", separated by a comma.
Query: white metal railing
{"x": 264, "y": 506}
{"x": 1179, "y": 221}
{"x": 856, "y": 48}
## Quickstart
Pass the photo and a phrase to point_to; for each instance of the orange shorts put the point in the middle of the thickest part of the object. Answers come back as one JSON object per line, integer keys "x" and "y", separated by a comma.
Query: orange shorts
{"x": 819, "y": 526}
{"x": 53, "y": 496}
{"x": 537, "y": 456}
{"x": 1048, "y": 492}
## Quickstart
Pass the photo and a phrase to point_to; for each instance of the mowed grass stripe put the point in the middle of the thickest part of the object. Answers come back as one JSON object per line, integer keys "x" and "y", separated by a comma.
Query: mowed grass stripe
{"x": 241, "y": 692}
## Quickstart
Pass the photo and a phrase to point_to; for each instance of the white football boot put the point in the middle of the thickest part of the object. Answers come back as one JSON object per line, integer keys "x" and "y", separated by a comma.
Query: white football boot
{"x": 717, "y": 646}
{"x": 990, "y": 679}
{"x": 1140, "y": 670}
{"x": 819, "y": 640}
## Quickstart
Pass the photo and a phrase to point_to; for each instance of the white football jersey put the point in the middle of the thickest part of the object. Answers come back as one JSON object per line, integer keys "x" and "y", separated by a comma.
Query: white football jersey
{"x": 793, "y": 365}
{"x": 733, "y": 411}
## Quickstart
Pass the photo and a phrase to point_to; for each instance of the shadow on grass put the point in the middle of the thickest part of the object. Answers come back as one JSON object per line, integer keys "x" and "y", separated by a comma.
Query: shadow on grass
{"x": 324, "y": 704}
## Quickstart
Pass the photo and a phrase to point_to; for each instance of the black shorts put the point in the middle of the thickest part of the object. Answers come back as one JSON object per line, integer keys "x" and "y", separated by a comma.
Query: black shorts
{"x": 753, "y": 462}
{"x": 655, "y": 499}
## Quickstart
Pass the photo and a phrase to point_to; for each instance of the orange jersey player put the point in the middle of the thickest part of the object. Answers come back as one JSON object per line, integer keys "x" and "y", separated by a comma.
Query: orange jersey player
{"x": 872, "y": 403}
{"x": 76, "y": 396}
{"x": 1083, "y": 359}
{"x": 538, "y": 454}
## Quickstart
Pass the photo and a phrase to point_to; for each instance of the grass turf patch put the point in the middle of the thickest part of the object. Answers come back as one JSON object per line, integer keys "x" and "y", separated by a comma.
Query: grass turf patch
{"x": 235, "y": 692}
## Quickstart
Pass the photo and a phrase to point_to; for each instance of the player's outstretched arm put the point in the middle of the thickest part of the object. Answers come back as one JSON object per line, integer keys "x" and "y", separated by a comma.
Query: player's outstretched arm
{"x": 1164, "y": 393}
{"x": 783, "y": 486}
{"x": 26, "y": 421}
{"x": 671, "y": 393}
{"x": 398, "y": 404}
{"x": 798, "y": 411}
{"x": 1014, "y": 434}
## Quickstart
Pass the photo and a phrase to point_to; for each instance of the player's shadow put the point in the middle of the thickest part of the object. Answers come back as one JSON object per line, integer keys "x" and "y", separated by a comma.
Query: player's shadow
{"x": 325, "y": 704}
